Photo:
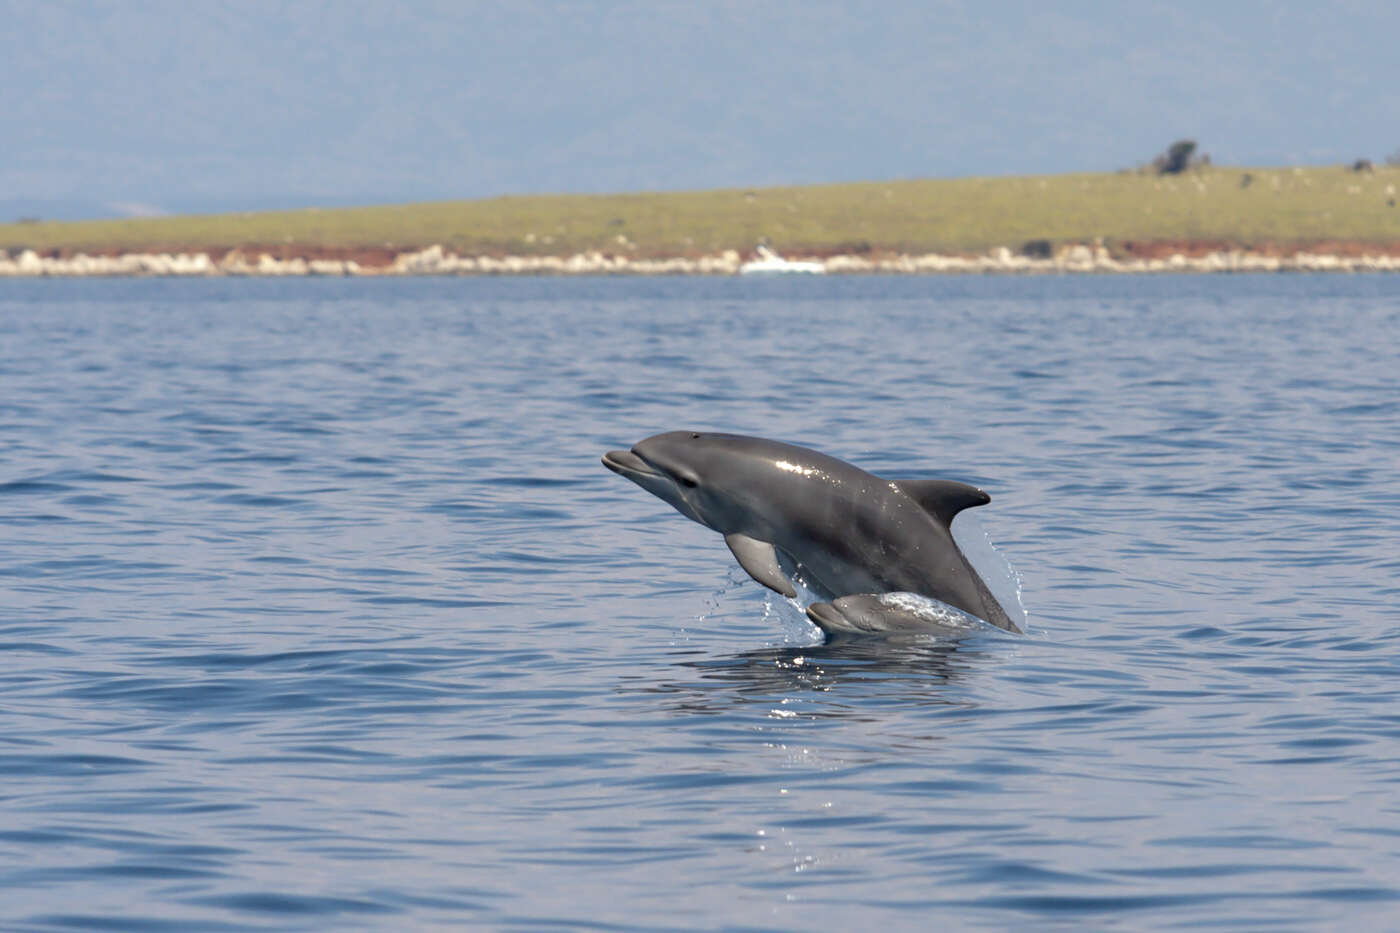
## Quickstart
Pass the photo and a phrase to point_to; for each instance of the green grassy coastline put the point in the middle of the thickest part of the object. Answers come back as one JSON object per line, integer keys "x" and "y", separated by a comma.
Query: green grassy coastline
{"x": 1219, "y": 206}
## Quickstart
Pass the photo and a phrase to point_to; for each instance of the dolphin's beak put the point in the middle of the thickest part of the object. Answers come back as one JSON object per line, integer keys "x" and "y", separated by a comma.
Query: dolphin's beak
{"x": 627, "y": 464}
{"x": 827, "y": 617}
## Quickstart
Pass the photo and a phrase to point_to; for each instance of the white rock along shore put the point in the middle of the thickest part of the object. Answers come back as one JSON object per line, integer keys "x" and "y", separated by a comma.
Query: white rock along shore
{"x": 437, "y": 261}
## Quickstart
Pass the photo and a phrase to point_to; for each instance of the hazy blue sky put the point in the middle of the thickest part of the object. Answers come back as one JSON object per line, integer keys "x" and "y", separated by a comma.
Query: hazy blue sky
{"x": 221, "y": 105}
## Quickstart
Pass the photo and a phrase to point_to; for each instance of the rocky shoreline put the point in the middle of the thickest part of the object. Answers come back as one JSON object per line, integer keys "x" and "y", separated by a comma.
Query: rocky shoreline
{"x": 435, "y": 260}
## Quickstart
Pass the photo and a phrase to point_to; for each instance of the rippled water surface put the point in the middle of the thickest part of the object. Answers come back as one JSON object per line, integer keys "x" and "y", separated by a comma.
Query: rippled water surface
{"x": 318, "y": 610}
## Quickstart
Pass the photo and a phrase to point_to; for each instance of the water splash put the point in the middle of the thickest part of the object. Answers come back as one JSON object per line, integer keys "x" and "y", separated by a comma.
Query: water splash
{"x": 991, "y": 564}
{"x": 793, "y": 626}
{"x": 733, "y": 577}
{"x": 931, "y": 610}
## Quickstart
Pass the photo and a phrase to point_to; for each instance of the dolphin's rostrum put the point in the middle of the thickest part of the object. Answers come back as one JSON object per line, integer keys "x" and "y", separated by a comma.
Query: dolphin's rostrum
{"x": 853, "y": 533}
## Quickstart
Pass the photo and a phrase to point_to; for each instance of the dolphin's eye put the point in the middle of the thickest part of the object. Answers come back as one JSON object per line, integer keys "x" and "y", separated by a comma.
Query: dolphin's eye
{"x": 688, "y": 481}
{"x": 695, "y": 437}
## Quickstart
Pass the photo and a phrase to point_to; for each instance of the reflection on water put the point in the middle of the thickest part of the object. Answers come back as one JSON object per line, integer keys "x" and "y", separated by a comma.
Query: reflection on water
{"x": 918, "y": 669}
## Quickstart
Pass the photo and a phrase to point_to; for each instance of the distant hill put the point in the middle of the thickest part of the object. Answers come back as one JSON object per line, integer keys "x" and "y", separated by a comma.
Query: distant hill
{"x": 1127, "y": 212}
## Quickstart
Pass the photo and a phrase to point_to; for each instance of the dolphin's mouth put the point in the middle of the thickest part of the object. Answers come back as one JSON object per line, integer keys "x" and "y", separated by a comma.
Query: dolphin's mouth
{"x": 827, "y": 617}
{"x": 627, "y": 464}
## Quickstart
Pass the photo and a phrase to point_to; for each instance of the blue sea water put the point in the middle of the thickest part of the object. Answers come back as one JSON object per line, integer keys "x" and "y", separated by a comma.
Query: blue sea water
{"x": 318, "y": 610}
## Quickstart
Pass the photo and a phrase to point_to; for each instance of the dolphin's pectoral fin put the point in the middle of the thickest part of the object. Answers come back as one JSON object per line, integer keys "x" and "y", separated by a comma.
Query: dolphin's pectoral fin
{"x": 942, "y": 498}
{"x": 761, "y": 562}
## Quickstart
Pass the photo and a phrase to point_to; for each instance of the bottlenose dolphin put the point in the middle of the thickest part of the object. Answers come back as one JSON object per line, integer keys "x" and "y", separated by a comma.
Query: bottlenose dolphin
{"x": 851, "y": 532}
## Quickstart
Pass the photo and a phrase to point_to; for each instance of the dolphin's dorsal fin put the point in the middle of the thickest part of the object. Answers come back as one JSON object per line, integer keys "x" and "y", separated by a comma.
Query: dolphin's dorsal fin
{"x": 761, "y": 561}
{"x": 942, "y": 498}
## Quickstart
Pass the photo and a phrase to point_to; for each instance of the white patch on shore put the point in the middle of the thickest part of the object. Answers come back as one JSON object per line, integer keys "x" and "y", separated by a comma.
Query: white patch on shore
{"x": 434, "y": 260}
